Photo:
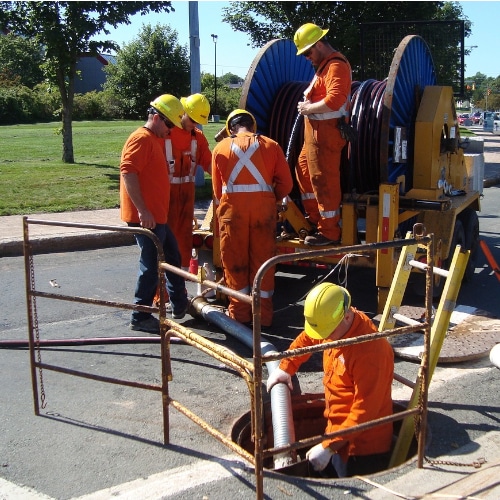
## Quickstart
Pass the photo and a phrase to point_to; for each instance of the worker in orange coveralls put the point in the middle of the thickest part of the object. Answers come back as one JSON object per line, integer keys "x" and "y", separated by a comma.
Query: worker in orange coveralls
{"x": 326, "y": 100}
{"x": 357, "y": 381}
{"x": 186, "y": 148}
{"x": 249, "y": 175}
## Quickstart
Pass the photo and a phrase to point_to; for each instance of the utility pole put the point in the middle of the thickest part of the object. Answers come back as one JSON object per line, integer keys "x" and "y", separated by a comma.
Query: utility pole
{"x": 214, "y": 39}
{"x": 194, "y": 47}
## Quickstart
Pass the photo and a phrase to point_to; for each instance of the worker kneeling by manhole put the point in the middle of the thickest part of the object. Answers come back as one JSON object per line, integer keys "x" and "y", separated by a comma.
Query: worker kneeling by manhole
{"x": 308, "y": 422}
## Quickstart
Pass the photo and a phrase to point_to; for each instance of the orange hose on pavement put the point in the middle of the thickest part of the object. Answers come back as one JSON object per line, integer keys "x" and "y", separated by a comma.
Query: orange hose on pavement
{"x": 490, "y": 259}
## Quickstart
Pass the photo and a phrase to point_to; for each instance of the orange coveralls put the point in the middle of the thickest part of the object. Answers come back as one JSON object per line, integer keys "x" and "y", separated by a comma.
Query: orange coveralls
{"x": 187, "y": 150}
{"x": 318, "y": 167}
{"x": 249, "y": 174}
{"x": 357, "y": 381}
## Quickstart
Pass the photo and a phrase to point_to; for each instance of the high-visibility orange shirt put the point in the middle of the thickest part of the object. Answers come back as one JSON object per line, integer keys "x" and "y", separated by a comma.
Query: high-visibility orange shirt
{"x": 144, "y": 155}
{"x": 357, "y": 381}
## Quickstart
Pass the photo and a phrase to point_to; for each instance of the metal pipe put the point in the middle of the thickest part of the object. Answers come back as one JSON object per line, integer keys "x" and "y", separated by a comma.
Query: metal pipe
{"x": 281, "y": 402}
{"x": 14, "y": 343}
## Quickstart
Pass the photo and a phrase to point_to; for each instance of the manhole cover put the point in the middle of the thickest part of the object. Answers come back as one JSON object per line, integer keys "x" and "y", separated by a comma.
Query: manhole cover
{"x": 471, "y": 335}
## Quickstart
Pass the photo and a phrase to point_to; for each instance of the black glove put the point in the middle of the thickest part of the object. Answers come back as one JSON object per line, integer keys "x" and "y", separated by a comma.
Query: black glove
{"x": 347, "y": 132}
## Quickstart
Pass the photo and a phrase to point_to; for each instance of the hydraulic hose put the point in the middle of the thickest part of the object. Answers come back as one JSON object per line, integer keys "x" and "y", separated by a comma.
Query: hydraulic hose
{"x": 281, "y": 402}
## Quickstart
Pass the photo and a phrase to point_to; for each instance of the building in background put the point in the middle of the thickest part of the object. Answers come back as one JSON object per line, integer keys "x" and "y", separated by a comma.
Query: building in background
{"x": 91, "y": 72}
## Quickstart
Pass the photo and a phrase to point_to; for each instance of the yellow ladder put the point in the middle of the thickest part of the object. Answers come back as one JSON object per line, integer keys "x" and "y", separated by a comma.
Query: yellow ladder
{"x": 398, "y": 286}
{"x": 439, "y": 327}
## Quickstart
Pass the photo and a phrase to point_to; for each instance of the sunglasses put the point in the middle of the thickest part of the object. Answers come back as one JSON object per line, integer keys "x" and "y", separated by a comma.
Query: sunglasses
{"x": 307, "y": 53}
{"x": 166, "y": 121}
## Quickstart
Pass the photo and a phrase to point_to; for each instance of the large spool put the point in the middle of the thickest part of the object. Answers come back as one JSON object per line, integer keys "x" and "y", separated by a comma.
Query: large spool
{"x": 277, "y": 79}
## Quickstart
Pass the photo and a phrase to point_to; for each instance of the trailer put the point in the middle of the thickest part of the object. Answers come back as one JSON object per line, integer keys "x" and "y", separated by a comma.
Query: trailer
{"x": 408, "y": 165}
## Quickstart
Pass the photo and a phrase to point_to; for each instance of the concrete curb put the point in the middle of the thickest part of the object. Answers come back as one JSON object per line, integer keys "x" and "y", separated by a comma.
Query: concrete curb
{"x": 77, "y": 241}
{"x": 67, "y": 243}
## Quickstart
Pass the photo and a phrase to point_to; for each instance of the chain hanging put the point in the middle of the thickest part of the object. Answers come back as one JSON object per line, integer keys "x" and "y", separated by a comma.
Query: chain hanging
{"x": 416, "y": 418}
{"x": 37, "y": 333}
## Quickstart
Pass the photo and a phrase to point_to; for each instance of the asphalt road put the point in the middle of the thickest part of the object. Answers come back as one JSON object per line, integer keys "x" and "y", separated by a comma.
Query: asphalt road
{"x": 95, "y": 440}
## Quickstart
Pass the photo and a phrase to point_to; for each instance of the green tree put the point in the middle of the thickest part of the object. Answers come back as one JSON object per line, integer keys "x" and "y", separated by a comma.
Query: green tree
{"x": 152, "y": 64}
{"x": 227, "y": 98}
{"x": 230, "y": 78}
{"x": 20, "y": 60}
{"x": 265, "y": 21}
{"x": 66, "y": 30}
{"x": 483, "y": 100}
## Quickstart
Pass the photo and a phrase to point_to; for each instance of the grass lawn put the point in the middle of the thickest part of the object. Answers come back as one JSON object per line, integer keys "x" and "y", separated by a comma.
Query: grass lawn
{"x": 33, "y": 179}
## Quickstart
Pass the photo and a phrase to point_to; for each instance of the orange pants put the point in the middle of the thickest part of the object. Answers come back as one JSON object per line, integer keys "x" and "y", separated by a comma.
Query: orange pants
{"x": 318, "y": 173}
{"x": 247, "y": 225}
{"x": 180, "y": 218}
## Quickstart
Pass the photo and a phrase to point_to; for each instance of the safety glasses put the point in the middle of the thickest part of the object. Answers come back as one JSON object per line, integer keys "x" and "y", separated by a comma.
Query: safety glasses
{"x": 307, "y": 53}
{"x": 166, "y": 121}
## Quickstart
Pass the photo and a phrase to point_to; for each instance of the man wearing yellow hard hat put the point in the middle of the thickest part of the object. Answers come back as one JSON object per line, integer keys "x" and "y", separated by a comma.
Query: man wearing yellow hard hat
{"x": 250, "y": 175}
{"x": 326, "y": 104}
{"x": 357, "y": 382}
{"x": 186, "y": 148}
{"x": 144, "y": 202}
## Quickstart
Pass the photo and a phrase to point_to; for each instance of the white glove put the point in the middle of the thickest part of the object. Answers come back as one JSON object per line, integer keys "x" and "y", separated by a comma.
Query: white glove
{"x": 279, "y": 376}
{"x": 319, "y": 457}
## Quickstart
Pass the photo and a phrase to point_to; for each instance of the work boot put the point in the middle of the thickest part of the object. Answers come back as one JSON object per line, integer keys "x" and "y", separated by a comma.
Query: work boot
{"x": 180, "y": 314}
{"x": 318, "y": 240}
{"x": 148, "y": 325}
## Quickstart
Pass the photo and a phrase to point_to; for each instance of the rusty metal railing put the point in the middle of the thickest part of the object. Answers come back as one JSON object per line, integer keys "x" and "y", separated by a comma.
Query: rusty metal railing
{"x": 251, "y": 372}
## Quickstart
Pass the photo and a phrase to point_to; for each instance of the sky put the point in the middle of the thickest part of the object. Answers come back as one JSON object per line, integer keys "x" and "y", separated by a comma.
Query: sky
{"x": 234, "y": 54}
{"x": 485, "y": 18}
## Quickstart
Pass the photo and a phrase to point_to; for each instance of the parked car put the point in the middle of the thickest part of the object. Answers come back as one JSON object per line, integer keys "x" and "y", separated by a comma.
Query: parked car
{"x": 476, "y": 118}
{"x": 463, "y": 119}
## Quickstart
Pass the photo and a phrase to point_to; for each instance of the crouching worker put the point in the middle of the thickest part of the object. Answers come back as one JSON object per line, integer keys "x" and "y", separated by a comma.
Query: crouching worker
{"x": 357, "y": 382}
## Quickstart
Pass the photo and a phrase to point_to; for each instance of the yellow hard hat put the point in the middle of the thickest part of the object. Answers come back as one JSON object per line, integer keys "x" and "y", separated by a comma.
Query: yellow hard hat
{"x": 306, "y": 36}
{"x": 197, "y": 108}
{"x": 234, "y": 114}
{"x": 324, "y": 309}
{"x": 170, "y": 107}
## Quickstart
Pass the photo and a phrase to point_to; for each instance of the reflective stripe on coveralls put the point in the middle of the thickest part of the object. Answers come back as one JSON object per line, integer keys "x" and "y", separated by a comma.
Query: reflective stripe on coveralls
{"x": 318, "y": 166}
{"x": 264, "y": 294}
{"x": 170, "y": 158}
{"x": 244, "y": 156}
{"x": 192, "y": 173}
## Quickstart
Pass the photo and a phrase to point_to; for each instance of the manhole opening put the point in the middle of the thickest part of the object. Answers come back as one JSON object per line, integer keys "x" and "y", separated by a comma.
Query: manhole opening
{"x": 309, "y": 421}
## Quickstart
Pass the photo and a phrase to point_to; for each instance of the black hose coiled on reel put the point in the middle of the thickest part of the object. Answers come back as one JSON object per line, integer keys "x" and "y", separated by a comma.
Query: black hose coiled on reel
{"x": 360, "y": 170}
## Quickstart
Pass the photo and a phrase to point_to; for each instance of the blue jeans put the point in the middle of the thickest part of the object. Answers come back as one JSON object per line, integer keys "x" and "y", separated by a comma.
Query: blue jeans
{"x": 147, "y": 278}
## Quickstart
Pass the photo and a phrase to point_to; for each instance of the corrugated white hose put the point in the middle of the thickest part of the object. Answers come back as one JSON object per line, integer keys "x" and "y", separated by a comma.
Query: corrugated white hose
{"x": 281, "y": 401}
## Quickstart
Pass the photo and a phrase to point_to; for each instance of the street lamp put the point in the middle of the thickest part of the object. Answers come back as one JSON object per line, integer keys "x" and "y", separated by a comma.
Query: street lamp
{"x": 214, "y": 39}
